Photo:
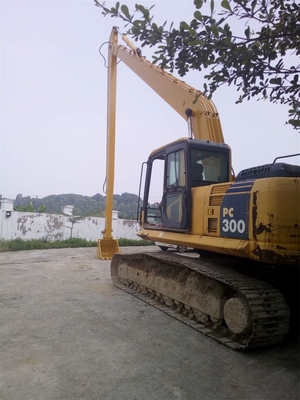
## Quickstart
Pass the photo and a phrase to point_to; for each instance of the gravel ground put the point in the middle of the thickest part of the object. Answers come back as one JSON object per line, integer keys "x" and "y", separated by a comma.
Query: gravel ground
{"x": 68, "y": 333}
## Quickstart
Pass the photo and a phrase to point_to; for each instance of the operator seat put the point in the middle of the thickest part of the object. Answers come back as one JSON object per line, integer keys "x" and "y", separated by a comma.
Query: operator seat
{"x": 196, "y": 174}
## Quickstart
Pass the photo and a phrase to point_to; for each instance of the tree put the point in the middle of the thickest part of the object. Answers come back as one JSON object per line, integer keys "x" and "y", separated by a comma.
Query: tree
{"x": 73, "y": 220}
{"x": 257, "y": 58}
{"x": 84, "y": 206}
{"x": 30, "y": 208}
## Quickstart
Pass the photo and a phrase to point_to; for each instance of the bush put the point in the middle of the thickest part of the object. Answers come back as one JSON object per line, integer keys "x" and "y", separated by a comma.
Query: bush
{"x": 36, "y": 244}
{"x": 130, "y": 242}
{"x": 4, "y": 246}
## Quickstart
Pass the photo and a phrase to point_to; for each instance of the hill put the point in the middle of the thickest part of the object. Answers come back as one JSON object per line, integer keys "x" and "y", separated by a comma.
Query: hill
{"x": 126, "y": 204}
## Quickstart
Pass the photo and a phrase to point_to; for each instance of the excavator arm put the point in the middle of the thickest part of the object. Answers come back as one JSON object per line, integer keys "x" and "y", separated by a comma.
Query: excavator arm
{"x": 184, "y": 99}
{"x": 205, "y": 122}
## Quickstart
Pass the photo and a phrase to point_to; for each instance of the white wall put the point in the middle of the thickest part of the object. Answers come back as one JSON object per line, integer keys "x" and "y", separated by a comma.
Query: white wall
{"x": 28, "y": 225}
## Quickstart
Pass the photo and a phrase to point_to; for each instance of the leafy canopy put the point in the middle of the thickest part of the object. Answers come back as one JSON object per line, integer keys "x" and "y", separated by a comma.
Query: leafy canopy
{"x": 261, "y": 59}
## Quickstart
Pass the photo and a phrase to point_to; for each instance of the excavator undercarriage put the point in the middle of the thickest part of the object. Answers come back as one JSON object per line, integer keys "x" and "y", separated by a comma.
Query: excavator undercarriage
{"x": 207, "y": 295}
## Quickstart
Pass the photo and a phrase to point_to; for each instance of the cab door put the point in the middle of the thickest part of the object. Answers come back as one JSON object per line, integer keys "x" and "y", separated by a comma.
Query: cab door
{"x": 176, "y": 202}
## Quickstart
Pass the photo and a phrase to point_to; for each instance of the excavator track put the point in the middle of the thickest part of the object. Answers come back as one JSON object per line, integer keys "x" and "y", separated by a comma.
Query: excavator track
{"x": 238, "y": 311}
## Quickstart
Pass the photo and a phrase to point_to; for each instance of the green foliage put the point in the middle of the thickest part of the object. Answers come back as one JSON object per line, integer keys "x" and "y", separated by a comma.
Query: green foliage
{"x": 123, "y": 242}
{"x": 35, "y": 244}
{"x": 4, "y": 246}
{"x": 42, "y": 209}
{"x": 126, "y": 204}
{"x": 29, "y": 207}
{"x": 256, "y": 59}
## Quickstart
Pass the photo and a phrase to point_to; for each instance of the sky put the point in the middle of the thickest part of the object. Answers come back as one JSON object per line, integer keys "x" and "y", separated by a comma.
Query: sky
{"x": 53, "y": 104}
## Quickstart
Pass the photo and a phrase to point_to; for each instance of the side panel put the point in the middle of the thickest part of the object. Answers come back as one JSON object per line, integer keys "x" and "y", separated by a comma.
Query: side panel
{"x": 234, "y": 211}
{"x": 276, "y": 220}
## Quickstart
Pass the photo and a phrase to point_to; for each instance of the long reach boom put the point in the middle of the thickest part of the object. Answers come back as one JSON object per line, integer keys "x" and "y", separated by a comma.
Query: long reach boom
{"x": 204, "y": 118}
{"x": 205, "y": 122}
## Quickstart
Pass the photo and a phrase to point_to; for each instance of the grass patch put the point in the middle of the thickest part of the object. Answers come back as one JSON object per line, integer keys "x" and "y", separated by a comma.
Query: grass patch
{"x": 123, "y": 242}
{"x": 36, "y": 244}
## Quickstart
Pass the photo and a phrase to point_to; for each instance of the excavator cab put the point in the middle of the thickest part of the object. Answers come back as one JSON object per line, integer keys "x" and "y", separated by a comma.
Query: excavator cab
{"x": 172, "y": 172}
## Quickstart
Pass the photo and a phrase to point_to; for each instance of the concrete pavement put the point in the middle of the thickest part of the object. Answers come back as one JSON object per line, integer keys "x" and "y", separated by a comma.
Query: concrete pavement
{"x": 68, "y": 333}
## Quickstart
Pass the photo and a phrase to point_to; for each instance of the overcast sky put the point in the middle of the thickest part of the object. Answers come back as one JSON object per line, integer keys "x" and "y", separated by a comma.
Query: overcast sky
{"x": 53, "y": 104}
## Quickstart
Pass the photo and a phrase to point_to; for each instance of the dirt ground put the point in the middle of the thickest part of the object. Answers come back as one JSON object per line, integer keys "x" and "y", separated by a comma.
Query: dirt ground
{"x": 68, "y": 333}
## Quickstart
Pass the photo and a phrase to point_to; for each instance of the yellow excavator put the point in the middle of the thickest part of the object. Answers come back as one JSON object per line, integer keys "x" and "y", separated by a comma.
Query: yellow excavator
{"x": 246, "y": 229}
